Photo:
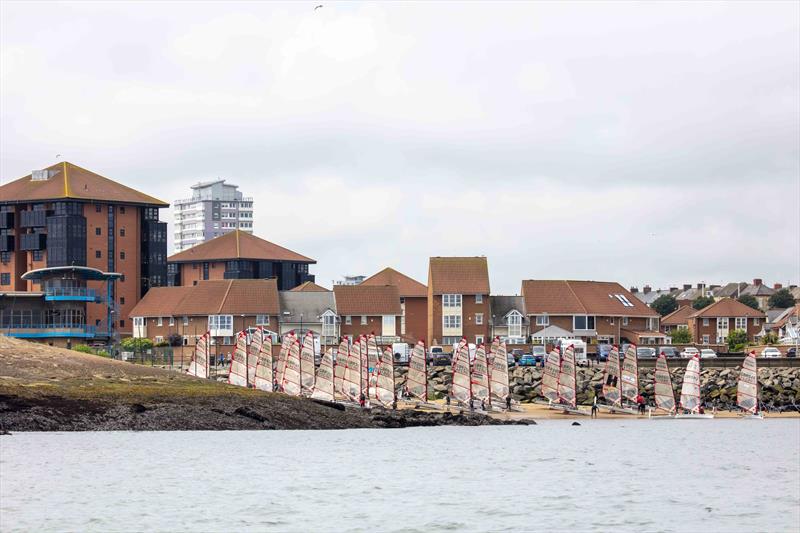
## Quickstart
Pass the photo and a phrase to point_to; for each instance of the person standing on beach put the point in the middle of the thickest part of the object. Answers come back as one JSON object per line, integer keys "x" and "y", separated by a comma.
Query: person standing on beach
{"x": 508, "y": 402}
{"x": 362, "y": 400}
{"x": 594, "y": 407}
{"x": 640, "y": 402}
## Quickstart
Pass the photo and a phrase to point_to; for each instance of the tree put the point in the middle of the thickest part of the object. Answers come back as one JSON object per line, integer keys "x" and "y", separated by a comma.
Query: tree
{"x": 130, "y": 344}
{"x": 664, "y": 304}
{"x": 702, "y": 302}
{"x": 781, "y": 299}
{"x": 769, "y": 338}
{"x": 750, "y": 301}
{"x": 680, "y": 336}
{"x": 737, "y": 339}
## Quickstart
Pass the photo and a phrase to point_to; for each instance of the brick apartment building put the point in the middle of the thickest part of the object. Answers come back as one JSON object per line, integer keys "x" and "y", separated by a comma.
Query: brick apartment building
{"x": 413, "y": 302}
{"x": 458, "y": 300}
{"x": 65, "y": 216}
{"x": 713, "y": 324}
{"x": 238, "y": 255}
{"x": 365, "y": 309}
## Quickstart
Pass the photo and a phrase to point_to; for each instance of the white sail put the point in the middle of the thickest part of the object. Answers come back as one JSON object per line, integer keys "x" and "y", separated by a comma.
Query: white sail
{"x": 566, "y": 378}
{"x": 373, "y": 355}
{"x": 323, "y": 385}
{"x": 352, "y": 373}
{"x": 384, "y": 381}
{"x": 552, "y": 367}
{"x": 480, "y": 375}
{"x": 307, "y": 363}
{"x": 611, "y": 378}
{"x": 664, "y": 393}
{"x": 287, "y": 342}
{"x": 263, "y": 378}
{"x": 237, "y": 374}
{"x": 340, "y": 366}
{"x": 200, "y": 358}
{"x": 291, "y": 370}
{"x": 417, "y": 378}
{"x": 461, "y": 388}
{"x": 630, "y": 374}
{"x": 690, "y": 391}
{"x": 253, "y": 351}
{"x": 498, "y": 382}
{"x": 363, "y": 351}
{"x": 747, "y": 387}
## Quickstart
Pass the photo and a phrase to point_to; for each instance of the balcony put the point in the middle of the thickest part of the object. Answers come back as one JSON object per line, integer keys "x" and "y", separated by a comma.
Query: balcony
{"x": 32, "y": 241}
{"x": 36, "y": 218}
{"x": 71, "y": 294}
{"x": 41, "y": 331}
{"x": 6, "y": 220}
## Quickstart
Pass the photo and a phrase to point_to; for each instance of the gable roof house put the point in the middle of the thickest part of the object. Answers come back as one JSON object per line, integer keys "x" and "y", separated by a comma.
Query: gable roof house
{"x": 458, "y": 300}
{"x": 365, "y": 309}
{"x": 714, "y": 323}
{"x": 413, "y": 302}
{"x": 594, "y": 311}
{"x": 760, "y": 292}
{"x": 315, "y": 311}
{"x": 678, "y": 319}
{"x": 508, "y": 319}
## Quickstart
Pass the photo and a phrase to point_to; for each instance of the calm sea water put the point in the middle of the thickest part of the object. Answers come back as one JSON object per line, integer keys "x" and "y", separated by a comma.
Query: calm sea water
{"x": 722, "y": 475}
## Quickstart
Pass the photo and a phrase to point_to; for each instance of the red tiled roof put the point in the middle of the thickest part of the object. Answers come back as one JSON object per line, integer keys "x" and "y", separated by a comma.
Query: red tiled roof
{"x": 370, "y": 300}
{"x": 458, "y": 275}
{"x": 71, "y": 181}
{"x": 727, "y": 307}
{"x": 564, "y": 297}
{"x": 678, "y": 316}
{"x": 408, "y": 287}
{"x": 309, "y": 286}
{"x": 230, "y": 296}
{"x": 237, "y": 245}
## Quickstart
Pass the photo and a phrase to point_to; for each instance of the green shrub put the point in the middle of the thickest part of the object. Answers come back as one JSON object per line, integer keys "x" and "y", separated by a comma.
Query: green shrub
{"x": 664, "y": 304}
{"x": 680, "y": 336}
{"x": 83, "y": 348}
{"x": 737, "y": 340}
{"x": 130, "y": 344}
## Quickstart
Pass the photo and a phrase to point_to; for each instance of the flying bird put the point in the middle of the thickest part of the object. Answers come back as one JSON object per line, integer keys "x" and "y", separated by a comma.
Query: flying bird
{"x": 319, "y": 6}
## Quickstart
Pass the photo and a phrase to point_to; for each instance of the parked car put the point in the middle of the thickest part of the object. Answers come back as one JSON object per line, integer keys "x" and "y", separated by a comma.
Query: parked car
{"x": 434, "y": 352}
{"x": 511, "y": 360}
{"x": 770, "y": 352}
{"x": 689, "y": 352}
{"x": 791, "y": 352}
{"x": 539, "y": 353}
{"x": 517, "y": 353}
{"x": 644, "y": 352}
{"x": 527, "y": 360}
{"x": 602, "y": 351}
{"x": 670, "y": 351}
{"x": 707, "y": 353}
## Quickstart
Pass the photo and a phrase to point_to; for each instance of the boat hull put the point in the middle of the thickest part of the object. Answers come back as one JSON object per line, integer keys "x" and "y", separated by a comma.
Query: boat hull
{"x": 752, "y": 417}
{"x": 617, "y": 410}
{"x": 696, "y": 416}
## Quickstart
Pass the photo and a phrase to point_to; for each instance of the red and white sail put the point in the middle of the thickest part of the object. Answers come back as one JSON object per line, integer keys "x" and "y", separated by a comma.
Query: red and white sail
{"x": 323, "y": 385}
{"x": 480, "y": 375}
{"x": 352, "y": 372}
{"x": 567, "y": 378}
{"x": 630, "y": 374}
{"x": 690, "y": 391}
{"x": 498, "y": 377}
{"x": 552, "y": 367}
{"x": 291, "y": 383}
{"x": 747, "y": 387}
{"x": 461, "y": 386}
{"x": 611, "y": 377}
{"x": 200, "y": 358}
{"x": 363, "y": 351}
{"x": 417, "y": 378}
{"x": 237, "y": 374}
{"x": 287, "y": 342}
{"x": 340, "y": 366}
{"x": 307, "y": 363}
{"x": 253, "y": 351}
{"x": 263, "y": 378}
{"x": 664, "y": 393}
{"x": 384, "y": 379}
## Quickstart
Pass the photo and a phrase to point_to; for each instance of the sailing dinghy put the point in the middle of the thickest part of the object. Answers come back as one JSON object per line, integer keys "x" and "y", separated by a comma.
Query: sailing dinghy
{"x": 620, "y": 381}
{"x": 339, "y": 367}
{"x": 384, "y": 380}
{"x": 747, "y": 388}
{"x": 498, "y": 377}
{"x": 351, "y": 383}
{"x": 552, "y": 367}
{"x": 663, "y": 391}
{"x": 263, "y": 377}
{"x": 480, "y": 378}
{"x": 323, "y": 384}
{"x": 237, "y": 373}
{"x": 291, "y": 383}
{"x": 288, "y": 340}
{"x": 417, "y": 377}
{"x": 611, "y": 379}
{"x": 307, "y": 364}
{"x": 198, "y": 366}
{"x": 461, "y": 386}
{"x": 630, "y": 375}
{"x": 567, "y": 384}
{"x": 690, "y": 392}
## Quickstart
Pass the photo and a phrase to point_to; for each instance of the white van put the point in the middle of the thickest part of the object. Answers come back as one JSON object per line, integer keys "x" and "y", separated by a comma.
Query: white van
{"x": 402, "y": 353}
{"x": 578, "y": 345}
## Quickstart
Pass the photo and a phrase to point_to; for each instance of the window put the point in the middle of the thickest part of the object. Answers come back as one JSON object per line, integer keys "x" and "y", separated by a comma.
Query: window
{"x": 98, "y": 208}
{"x": 220, "y": 324}
{"x": 121, "y": 300}
{"x": 722, "y": 323}
{"x": 705, "y": 323}
{"x": 611, "y": 320}
{"x": 122, "y": 323}
{"x": 479, "y": 319}
{"x": 186, "y": 321}
{"x": 583, "y": 322}
{"x": 756, "y": 321}
{"x": 652, "y": 324}
{"x": 98, "y": 254}
{"x": 683, "y": 326}
{"x": 38, "y": 255}
{"x": 121, "y": 232}
{"x": 138, "y": 321}
{"x": 478, "y": 339}
{"x": 479, "y": 298}
{"x": 122, "y": 210}
{"x": 159, "y": 339}
{"x": 741, "y": 322}
{"x": 98, "y": 231}
{"x": 160, "y": 321}
{"x": 122, "y": 277}
{"x": 542, "y": 320}
{"x": 705, "y": 339}
{"x": 623, "y": 300}
{"x": 451, "y": 321}
{"x": 262, "y": 320}
{"x": 122, "y": 255}
{"x": 363, "y": 320}
{"x": 348, "y": 320}
{"x": 625, "y": 321}
{"x": 514, "y": 321}
{"x": 5, "y": 278}
{"x": 328, "y": 325}
{"x": 171, "y": 321}
{"x": 451, "y": 300}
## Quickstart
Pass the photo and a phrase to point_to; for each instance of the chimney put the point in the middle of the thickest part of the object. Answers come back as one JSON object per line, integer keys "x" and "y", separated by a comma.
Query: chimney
{"x": 673, "y": 289}
{"x": 699, "y": 285}
{"x": 634, "y": 290}
{"x": 687, "y": 286}
{"x": 646, "y": 289}
{"x": 777, "y": 286}
{"x": 758, "y": 282}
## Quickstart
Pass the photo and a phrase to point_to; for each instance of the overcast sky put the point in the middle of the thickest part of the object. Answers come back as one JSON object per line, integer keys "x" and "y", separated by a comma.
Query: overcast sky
{"x": 640, "y": 143}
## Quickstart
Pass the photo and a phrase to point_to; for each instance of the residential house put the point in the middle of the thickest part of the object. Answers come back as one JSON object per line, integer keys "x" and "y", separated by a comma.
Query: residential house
{"x": 238, "y": 255}
{"x": 713, "y": 324}
{"x": 678, "y": 319}
{"x": 508, "y": 319}
{"x": 594, "y": 311}
{"x": 309, "y": 286}
{"x": 689, "y": 294}
{"x": 729, "y": 290}
{"x": 310, "y": 310}
{"x": 760, "y": 292}
{"x": 413, "y": 302}
{"x": 365, "y": 309}
{"x": 647, "y": 295}
{"x": 458, "y": 300}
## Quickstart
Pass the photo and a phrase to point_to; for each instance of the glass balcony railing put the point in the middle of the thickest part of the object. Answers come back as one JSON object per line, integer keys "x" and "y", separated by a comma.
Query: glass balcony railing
{"x": 25, "y": 330}
{"x": 82, "y": 294}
